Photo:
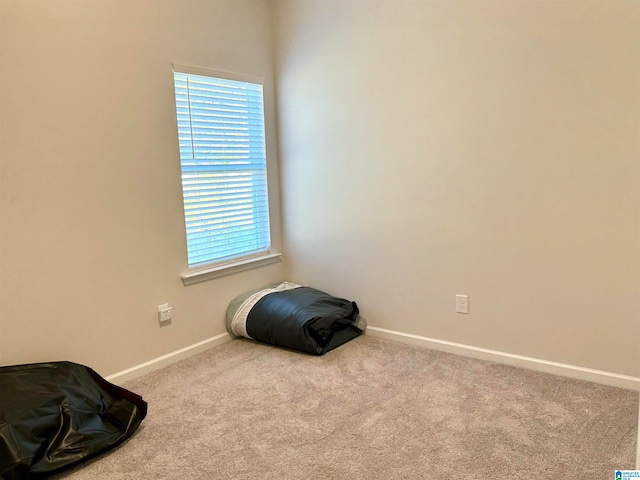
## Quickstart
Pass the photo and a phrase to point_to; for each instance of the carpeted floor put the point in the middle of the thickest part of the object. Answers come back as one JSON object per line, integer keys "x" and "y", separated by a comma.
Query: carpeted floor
{"x": 372, "y": 409}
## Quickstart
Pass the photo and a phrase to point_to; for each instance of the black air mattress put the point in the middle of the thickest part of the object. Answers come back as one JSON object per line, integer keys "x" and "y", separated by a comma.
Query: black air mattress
{"x": 297, "y": 317}
{"x": 53, "y": 415}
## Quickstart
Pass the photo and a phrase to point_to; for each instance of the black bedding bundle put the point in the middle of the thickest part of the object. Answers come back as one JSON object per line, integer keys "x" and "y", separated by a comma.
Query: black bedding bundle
{"x": 297, "y": 317}
{"x": 53, "y": 415}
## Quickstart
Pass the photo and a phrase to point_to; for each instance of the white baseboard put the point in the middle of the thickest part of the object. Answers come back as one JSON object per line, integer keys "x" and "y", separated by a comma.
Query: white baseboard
{"x": 168, "y": 359}
{"x": 581, "y": 373}
{"x": 597, "y": 376}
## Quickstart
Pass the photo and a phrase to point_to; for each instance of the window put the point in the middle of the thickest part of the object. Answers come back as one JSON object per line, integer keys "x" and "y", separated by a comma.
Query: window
{"x": 223, "y": 162}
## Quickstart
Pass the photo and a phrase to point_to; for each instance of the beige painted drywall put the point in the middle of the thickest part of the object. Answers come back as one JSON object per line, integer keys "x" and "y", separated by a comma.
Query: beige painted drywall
{"x": 492, "y": 149}
{"x": 91, "y": 214}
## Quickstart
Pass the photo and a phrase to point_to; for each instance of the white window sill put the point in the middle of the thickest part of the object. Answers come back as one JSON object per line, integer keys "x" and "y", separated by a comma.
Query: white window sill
{"x": 229, "y": 268}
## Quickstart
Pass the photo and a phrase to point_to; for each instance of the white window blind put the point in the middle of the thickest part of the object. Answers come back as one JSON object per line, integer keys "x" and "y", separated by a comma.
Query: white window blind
{"x": 223, "y": 162}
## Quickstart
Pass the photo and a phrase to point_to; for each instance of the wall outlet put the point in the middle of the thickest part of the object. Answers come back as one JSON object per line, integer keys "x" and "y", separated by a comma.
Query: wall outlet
{"x": 164, "y": 314}
{"x": 462, "y": 304}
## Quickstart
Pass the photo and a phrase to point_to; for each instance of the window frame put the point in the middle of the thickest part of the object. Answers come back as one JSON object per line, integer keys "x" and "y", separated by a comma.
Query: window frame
{"x": 208, "y": 270}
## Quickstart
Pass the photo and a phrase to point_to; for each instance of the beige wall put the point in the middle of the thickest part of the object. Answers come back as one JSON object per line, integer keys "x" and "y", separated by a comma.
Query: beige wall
{"x": 484, "y": 148}
{"x": 91, "y": 213}
{"x": 429, "y": 149}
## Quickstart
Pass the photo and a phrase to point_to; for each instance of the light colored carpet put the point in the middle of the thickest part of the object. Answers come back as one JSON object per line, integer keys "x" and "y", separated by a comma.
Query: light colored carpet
{"x": 372, "y": 409}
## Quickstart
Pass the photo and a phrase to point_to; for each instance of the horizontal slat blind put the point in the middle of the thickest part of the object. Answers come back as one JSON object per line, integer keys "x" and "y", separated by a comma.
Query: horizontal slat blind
{"x": 223, "y": 162}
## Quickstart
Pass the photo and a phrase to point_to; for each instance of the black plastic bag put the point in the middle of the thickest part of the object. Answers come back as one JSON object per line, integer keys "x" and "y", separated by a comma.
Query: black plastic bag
{"x": 292, "y": 316}
{"x": 53, "y": 415}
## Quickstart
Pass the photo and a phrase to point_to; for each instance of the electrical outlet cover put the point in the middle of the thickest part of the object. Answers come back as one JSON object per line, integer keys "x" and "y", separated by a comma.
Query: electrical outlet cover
{"x": 462, "y": 304}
